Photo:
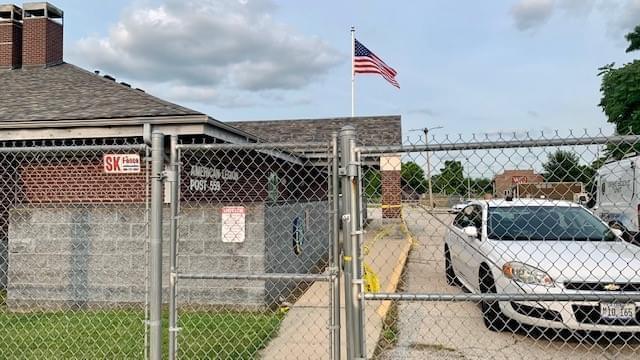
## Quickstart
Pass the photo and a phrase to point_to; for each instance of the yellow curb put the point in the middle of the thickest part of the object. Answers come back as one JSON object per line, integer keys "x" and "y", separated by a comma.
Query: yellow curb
{"x": 397, "y": 272}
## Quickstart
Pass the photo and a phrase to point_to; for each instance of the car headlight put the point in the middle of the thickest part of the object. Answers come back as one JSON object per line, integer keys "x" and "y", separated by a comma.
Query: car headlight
{"x": 526, "y": 274}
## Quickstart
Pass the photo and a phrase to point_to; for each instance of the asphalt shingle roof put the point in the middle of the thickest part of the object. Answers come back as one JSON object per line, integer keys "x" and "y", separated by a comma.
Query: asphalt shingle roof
{"x": 67, "y": 92}
{"x": 370, "y": 130}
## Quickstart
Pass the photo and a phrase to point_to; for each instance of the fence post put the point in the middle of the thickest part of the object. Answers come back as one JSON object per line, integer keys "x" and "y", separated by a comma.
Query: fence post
{"x": 351, "y": 236}
{"x": 359, "y": 210}
{"x": 174, "y": 178}
{"x": 155, "y": 268}
{"x": 335, "y": 251}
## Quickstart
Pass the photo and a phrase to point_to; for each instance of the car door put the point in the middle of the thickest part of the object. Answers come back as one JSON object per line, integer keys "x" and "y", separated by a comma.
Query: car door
{"x": 455, "y": 240}
{"x": 469, "y": 252}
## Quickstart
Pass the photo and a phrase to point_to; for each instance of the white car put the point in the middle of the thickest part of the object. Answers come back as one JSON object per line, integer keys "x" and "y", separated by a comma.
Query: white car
{"x": 529, "y": 246}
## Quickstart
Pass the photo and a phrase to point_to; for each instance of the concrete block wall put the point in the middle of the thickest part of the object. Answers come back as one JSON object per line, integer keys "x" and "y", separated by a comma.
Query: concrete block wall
{"x": 94, "y": 255}
{"x": 279, "y": 251}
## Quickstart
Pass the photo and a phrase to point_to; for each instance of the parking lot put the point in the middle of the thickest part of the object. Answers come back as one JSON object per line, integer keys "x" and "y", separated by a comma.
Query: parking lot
{"x": 449, "y": 330}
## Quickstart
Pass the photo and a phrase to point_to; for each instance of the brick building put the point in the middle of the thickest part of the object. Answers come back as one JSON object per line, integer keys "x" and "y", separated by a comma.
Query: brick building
{"x": 503, "y": 183}
{"x": 69, "y": 233}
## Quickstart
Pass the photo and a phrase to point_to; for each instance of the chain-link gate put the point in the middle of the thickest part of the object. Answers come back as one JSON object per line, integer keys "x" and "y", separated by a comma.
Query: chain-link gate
{"x": 255, "y": 271}
{"x": 73, "y": 249}
{"x": 502, "y": 247}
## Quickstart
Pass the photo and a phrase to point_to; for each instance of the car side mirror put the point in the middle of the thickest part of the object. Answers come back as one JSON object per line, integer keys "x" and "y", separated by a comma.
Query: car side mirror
{"x": 471, "y": 231}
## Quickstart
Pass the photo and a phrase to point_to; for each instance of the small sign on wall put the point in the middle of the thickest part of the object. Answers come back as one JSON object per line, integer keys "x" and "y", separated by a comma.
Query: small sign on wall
{"x": 233, "y": 224}
{"x": 519, "y": 180}
{"x": 121, "y": 163}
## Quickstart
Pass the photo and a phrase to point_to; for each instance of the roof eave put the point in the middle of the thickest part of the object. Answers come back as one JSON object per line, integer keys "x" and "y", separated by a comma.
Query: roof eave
{"x": 103, "y": 122}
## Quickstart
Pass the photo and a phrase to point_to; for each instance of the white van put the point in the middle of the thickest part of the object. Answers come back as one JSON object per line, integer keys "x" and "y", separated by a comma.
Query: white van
{"x": 617, "y": 200}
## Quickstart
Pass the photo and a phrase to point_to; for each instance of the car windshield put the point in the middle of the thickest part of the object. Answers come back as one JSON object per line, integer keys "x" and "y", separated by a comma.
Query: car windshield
{"x": 546, "y": 223}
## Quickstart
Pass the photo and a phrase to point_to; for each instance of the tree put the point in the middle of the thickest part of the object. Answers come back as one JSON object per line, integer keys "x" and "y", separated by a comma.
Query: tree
{"x": 634, "y": 39}
{"x": 372, "y": 184}
{"x": 413, "y": 177}
{"x": 621, "y": 97}
{"x": 451, "y": 179}
{"x": 480, "y": 186}
{"x": 564, "y": 166}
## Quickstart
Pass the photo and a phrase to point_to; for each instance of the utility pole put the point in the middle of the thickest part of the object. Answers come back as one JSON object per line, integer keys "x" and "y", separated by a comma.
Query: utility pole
{"x": 426, "y": 130}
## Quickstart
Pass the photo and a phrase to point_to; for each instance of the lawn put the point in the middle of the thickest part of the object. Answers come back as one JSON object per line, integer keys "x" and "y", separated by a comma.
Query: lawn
{"x": 119, "y": 334}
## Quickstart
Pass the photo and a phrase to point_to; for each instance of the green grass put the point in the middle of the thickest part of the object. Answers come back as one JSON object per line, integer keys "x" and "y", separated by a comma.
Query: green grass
{"x": 119, "y": 334}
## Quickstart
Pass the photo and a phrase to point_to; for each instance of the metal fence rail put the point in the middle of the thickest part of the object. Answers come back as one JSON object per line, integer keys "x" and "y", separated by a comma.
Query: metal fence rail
{"x": 621, "y": 298}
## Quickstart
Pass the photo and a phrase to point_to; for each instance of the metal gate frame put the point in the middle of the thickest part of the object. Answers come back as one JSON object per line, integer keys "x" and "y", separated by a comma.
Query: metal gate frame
{"x": 332, "y": 272}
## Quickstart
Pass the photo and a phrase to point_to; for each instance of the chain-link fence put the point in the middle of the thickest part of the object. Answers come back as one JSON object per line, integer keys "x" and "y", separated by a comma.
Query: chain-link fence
{"x": 536, "y": 257}
{"x": 73, "y": 249}
{"x": 255, "y": 253}
{"x": 520, "y": 246}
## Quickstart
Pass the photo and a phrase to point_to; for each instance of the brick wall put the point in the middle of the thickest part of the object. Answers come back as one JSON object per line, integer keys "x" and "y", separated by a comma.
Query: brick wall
{"x": 391, "y": 193}
{"x": 254, "y": 169}
{"x": 506, "y": 180}
{"x": 10, "y": 44}
{"x": 78, "y": 182}
{"x": 42, "y": 42}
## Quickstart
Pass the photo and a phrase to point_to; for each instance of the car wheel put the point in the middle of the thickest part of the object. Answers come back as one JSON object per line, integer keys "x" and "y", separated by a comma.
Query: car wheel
{"x": 493, "y": 318}
{"x": 452, "y": 279}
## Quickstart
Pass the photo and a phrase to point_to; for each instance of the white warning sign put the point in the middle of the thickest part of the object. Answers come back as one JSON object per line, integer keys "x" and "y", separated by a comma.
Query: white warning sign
{"x": 121, "y": 163}
{"x": 233, "y": 229}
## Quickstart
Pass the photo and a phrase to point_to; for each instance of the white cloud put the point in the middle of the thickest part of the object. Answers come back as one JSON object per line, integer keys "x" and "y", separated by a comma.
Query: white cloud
{"x": 196, "y": 50}
{"x": 621, "y": 16}
{"x": 629, "y": 16}
{"x": 529, "y": 14}
{"x": 577, "y": 7}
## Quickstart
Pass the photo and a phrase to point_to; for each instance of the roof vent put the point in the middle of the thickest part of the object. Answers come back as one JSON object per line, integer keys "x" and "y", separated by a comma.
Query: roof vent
{"x": 109, "y": 77}
{"x": 97, "y": 72}
{"x": 125, "y": 84}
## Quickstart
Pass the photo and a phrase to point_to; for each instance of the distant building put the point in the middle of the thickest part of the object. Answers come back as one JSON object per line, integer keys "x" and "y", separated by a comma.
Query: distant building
{"x": 569, "y": 191}
{"x": 503, "y": 183}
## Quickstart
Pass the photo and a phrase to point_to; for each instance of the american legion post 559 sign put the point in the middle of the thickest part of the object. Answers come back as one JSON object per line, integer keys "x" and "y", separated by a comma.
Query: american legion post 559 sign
{"x": 205, "y": 178}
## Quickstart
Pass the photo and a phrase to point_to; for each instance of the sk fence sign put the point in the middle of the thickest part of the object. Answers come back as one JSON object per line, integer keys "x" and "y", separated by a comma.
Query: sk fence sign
{"x": 233, "y": 224}
{"x": 121, "y": 163}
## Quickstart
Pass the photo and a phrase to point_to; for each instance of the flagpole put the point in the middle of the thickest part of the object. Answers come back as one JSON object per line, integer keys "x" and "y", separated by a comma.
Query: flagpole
{"x": 353, "y": 75}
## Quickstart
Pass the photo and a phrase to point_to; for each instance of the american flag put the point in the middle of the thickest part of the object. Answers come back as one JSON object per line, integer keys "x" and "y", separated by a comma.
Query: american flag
{"x": 366, "y": 62}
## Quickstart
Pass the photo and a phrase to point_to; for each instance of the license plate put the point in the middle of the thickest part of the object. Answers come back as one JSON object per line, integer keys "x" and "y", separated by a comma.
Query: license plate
{"x": 617, "y": 311}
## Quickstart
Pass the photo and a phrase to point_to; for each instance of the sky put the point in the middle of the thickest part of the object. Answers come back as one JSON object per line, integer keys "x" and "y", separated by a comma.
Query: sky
{"x": 472, "y": 67}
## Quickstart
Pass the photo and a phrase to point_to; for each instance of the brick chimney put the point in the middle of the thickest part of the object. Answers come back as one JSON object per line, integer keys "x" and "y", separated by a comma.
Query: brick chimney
{"x": 10, "y": 36}
{"x": 42, "y": 35}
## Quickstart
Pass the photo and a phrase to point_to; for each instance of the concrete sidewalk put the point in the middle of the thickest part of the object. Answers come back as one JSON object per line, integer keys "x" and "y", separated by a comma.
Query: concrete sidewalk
{"x": 304, "y": 333}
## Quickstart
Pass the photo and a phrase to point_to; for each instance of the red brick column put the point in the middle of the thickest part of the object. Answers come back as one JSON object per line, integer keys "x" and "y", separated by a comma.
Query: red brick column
{"x": 391, "y": 189}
